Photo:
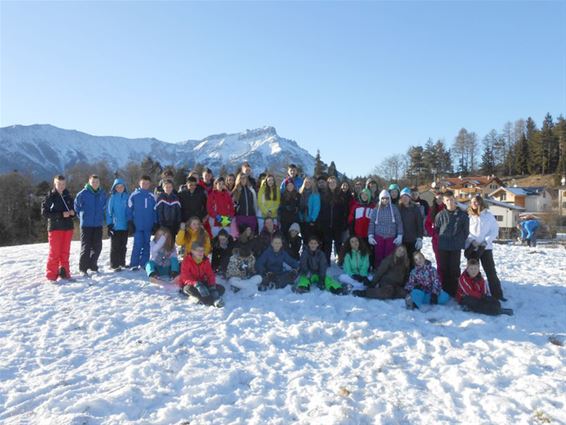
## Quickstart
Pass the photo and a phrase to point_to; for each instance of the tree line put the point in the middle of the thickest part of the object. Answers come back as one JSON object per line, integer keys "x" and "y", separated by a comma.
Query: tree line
{"x": 519, "y": 148}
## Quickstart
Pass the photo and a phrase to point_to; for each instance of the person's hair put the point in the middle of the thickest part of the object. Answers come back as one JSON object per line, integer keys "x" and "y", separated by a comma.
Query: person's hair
{"x": 473, "y": 262}
{"x": 292, "y": 166}
{"x": 347, "y": 249}
{"x": 482, "y": 206}
{"x": 271, "y": 193}
{"x": 168, "y": 181}
{"x": 223, "y": 232}
{"x": 277, "y": 235}
{"x": 404, "y": 260}
{"x": 59, "y": 177}
{"x": 207, "y": 171}
{"x": 314, "y": 188}
{"x": 196, "y": 245}
{"x": 219, "y": 180}
{"x": 93, "y": 176}
{"x": 238, "y": 185}
{"x": 418, "y": 254}
{"x": 448, "y": 194}
{"x": 170, "y": 240}
{"x": 192, "y": 179}
{"x": 201, "y": 233}
{"x": 313, "y": 238}
{"x": 167, "y": 173}
{"x": 145, "y": 177}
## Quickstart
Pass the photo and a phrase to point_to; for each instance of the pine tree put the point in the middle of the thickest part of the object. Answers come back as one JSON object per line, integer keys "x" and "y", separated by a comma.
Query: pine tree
{"x": 549, "y": 146}
{"x": 560, "y": 134}
{"x": 332, "y": 169}
{"x": 488, "y": 161}
{"x": 319, "y": 166}
{"x": 521, "y": 155}
{"x": 535, "y": 152}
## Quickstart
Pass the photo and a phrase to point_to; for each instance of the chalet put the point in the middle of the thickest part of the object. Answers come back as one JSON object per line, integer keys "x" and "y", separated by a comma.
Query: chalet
{"x": 532, "y": 199}
{"x": 466, "y": 187}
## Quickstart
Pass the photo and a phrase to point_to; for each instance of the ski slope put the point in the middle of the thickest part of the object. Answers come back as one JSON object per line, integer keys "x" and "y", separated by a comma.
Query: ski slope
{"x": 118, "y": 350}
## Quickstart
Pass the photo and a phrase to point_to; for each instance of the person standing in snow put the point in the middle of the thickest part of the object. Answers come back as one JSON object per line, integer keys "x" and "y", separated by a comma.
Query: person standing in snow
{"x": 58, "y": 208}
{"x": 220, "y": 208}
{"x": 452, "y": 226}
{"x": 245, "y": 199}
{"x": 143, "y": 219}
{"x": 117, "y": 221}
{"x": 268, "y": 199}
{"x": 309, "y": 208}
{"x": 394, "y": 192}
{"x": 412, "y": 223}
{"x": 90, "y": 205}
{"x": 385, "y": 230}
{"x": 483, "y": 231}
{"x": 168, "y": 208}
{"x": 332, "y": 218}
{"x": 292, "y": 175}
{"x": 437, "y": 206}
{"x": 193, "y": 200}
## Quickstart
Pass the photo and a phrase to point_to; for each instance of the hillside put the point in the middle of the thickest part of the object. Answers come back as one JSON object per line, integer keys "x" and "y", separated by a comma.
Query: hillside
{"x": 117, "y": 350}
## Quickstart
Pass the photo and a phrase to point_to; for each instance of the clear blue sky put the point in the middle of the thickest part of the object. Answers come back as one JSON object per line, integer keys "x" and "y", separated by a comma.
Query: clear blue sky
{"x": 357, "y": 80}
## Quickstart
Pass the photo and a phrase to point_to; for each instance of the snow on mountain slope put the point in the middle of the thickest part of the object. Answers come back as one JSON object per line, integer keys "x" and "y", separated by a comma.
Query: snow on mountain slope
{"x": 117, "y": 350}
{"x": 44, "y": 150}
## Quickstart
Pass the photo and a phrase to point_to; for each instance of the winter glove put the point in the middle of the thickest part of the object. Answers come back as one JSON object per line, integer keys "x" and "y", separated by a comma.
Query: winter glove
{"x": 434, "y": 298}
{"x": 202, "y": 290}
{"x": 110, "y": 230}
{"x": 418, "y": 244}
{"x": 398, "y": 240}
{"x": 131, "y": 227}
{"x": 372, "y": 240}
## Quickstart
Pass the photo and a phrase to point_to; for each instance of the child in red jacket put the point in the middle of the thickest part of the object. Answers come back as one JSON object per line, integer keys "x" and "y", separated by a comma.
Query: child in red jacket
{"x": 197, "y": 279}
{"x": 472, "y": 292}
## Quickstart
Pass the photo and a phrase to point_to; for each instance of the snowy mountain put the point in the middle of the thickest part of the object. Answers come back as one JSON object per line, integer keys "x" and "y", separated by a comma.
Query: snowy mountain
{"x": 116, "y": 349}
{"x": 44, "y": 150}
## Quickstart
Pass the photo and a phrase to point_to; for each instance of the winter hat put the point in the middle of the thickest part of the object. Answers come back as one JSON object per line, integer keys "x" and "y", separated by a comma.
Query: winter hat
{"x": 367, "y": 192}
{"x": 406, "y": 191}
{"x": 394, "y": 186}
{"x": 384, "y": 194}
{"x": 295, "y": 227}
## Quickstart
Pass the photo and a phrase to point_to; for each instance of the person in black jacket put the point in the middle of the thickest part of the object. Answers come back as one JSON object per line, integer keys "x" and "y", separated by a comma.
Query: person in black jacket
{"x": 412, "y": 224}
{"x": 168, "y": 208}
{"x": 333, "y": 217}
{"x": 222, "y": 246}
{"x": 452, "y": 226}
{"x": 289, "y": 207}
{"x": 57, "y": 207}
{"x": 193, "y": 200}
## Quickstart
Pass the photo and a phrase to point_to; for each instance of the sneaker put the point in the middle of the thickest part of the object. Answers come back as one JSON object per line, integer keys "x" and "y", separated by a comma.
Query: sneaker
{"x": 409, "y": 303}
{"x": 117, "y": 269}
{"x": 134, "y": 268}
{"x": 85, "y": 274}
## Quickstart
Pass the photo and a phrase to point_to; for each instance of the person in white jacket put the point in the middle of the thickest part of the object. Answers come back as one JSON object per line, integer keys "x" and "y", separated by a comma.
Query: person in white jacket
{"x": 483, "y": 231}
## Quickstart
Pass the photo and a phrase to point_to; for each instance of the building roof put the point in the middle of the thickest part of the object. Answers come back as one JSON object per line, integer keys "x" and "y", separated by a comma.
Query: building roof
{"x": 497, "y": 203}
{"x": 522, "y": 191}
{"x": 457, "y": 182}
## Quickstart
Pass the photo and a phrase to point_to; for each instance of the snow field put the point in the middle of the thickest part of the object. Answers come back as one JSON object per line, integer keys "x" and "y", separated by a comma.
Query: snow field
{"x": 117, "y": 350}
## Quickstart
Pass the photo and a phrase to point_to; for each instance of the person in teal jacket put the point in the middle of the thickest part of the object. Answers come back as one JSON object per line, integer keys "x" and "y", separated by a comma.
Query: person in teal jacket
{"x": 117, "y": 221}
{"x": 354, "y": 260}
{"x": 309, "y": 209}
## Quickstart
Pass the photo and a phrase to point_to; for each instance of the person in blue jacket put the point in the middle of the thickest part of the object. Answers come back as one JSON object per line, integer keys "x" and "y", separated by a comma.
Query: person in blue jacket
{"x": 270, "y": 265}
{"x": 168, "y": 208}
{"x": 292, "y": 175}
{"x": 90, "y": 205}
{"x": 310, "y": 208}
{"x": 142, "y": 216}
{"x": 529, "y": 231}
{"x": 117, "y": 221}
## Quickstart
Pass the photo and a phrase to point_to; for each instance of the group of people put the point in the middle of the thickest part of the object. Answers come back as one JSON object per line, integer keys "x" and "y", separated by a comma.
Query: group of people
{"x": 260, "y": 235}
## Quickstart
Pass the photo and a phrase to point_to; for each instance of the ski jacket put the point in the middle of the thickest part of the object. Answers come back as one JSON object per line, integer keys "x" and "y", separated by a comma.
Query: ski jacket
{"x": 467, "y": 286}
{"x": 334, "y": 210}
{"x": 360, "y": 214}
{"x": 220, "y": 203}
{"x": 193, "y": 272}
{"x": 293, "y": 246}
{"x": 424, "y": 278}
{"x": 193, "y": 204}
{"x": 314, "y": 263}
{"x": 141, "y": 209}
{"x": 168, "y": 209}
{"x": 452, "y": 228}
{"x": 242, "y": 267}
{"x": 90, "y": 205}
{"x": 117, "y": 214}
{"x": 272, "y": 262}
{"x": 309, "y": 214}
{"x": 289, "y": 207}
{"x": 246, "y": 202}
{"x": 483, "y": 229}
{"x": 53, "y": 207}
{"x": 412, "y": 223}
{"x": 356, "y": 264}
{"x": 390, "y": 272}
{"x": 385, "y": 222}
{"x": 186, "y": 237}
{"x": 267, "y": 207}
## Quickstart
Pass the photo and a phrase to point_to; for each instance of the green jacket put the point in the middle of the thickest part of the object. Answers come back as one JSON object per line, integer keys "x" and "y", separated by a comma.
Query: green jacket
{"x": 355, "y": 263}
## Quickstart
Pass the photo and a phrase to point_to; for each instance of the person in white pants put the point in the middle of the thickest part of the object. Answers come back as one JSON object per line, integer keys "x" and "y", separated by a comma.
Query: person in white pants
{"x": 241, "y": 272}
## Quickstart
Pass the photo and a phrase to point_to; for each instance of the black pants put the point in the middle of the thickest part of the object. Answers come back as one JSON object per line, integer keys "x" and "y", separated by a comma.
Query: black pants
{"x": 485, "y": 305}
{"x": 278, "y": 280}
{"x": 450, "y": 264}
{"x": 91, "y": 245}
{"x": 118, "y": 244}
{"x": 328, "y": 237}
{"x": 192, "y": 291}
{"x": 489, "y": 268}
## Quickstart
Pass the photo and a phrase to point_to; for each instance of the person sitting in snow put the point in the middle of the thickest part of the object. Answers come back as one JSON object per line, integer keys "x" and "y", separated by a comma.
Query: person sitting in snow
{"x": 313, "y": 270}
{"x": 390, "y": 278}
{"x": 271, "y": 266}
{"x": 354, "y": 260}
{"x": 222, "y": 246}
{"x": 424, "y": 286}
{"x": 472, "y": 292}
{"x": 293, "y": 242}
{"x": 191, "y": 232}
{"x": 241, "y": 271}
{"x": 163, "y": 256}
{"x": 197, "y": 279}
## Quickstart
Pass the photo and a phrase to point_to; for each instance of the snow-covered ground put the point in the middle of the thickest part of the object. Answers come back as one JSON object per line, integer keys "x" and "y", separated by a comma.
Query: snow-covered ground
{"x": 117, "y": 350}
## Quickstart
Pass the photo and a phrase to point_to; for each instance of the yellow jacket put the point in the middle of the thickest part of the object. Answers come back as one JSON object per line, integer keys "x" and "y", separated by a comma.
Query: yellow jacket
{"x": 188, "y": 236}
{"x": 266, "y": 206}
